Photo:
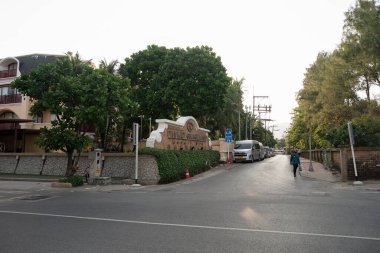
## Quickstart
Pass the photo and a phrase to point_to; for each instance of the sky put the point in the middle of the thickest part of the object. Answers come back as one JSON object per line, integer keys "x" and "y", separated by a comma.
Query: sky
{"x": 268, "y": 43}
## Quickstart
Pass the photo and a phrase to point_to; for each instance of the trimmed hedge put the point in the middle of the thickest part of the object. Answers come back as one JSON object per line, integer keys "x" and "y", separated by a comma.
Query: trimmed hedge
{"x": 172, "y": 164}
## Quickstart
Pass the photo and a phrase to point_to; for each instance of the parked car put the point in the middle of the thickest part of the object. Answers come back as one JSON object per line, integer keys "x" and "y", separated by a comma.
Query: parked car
{"x": 248, "y": 150}
{"x": 268, "y": 152}
{"x": 279, "y": 151}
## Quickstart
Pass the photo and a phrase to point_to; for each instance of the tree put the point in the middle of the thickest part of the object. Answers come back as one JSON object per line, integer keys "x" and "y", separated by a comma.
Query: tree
{"x": 149, "y": 89}
{"x": 198, "y": 82}
{"x": 110, "y": 91}
{"x": 168, "y": 83}
{"x": 80, "y": 97}
{"x": 361, "y": 43}
{"x": 227, "y": 116}
{"x": 109, "y": 67}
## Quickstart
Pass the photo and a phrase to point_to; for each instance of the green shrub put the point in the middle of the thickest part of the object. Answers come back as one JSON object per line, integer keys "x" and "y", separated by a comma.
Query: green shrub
{"x": 74, "y": 180}
{"x": 172, "y": 164}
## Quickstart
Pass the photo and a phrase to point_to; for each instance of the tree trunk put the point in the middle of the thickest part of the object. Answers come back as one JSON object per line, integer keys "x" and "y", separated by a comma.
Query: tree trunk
{"x": 122, "y": 140}
{"x": 69, "y": 170}
{"x": 106, "y": 134}
{"x": 367, "y": 89}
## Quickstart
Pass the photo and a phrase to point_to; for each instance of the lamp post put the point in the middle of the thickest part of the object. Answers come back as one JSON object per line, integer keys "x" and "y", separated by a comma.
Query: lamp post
{"x": 311, "y": 162}
{"x": 239, "y": 126}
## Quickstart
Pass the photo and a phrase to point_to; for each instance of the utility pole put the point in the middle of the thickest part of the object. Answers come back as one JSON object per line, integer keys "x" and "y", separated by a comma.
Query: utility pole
{"x": 246, "y": 122}
{"x": 273, "y": 126}
{"x": 265, "y": 132}
{"x": 258, "y": 107}
{"x": 250, "y": 127}
{"x": 239, "y": 126}
{"x": 262, "y": 109}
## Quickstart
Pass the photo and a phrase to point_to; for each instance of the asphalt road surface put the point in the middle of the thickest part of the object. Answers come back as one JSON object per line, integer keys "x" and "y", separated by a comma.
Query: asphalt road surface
{"x": 249, "y": 207}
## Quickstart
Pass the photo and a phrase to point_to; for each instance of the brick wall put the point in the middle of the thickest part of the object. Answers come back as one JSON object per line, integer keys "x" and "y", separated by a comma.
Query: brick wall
{"x": 367, "y": 161}
{"x": 367, "y": 164}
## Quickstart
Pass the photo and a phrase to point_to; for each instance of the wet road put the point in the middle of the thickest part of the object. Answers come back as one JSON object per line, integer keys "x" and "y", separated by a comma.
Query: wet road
{"x": 258, "y": 207}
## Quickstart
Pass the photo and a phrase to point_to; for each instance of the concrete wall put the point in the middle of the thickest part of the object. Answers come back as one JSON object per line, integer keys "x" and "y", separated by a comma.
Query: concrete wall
{"x": 120, "y": 165}
{"x": 223, "y": 148}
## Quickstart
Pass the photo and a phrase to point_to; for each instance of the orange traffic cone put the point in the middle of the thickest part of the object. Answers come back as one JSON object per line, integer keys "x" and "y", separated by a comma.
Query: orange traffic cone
{"x": 187, "y": 174}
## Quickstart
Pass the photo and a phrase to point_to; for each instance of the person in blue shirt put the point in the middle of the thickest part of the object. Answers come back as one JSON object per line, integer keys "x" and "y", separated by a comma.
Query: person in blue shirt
{"x": 295, "y": 161}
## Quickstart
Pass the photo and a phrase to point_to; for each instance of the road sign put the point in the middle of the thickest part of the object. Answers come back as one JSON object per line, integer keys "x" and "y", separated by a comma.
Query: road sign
{"x": 228, "y": 135}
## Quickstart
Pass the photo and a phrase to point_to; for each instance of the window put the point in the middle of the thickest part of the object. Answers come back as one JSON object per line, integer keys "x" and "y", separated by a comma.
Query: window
{"x": 38, "y": 119}
{"x": 53, "y": 117}
{"x": 8, "y": 115}
{"x": 12, "y": 66}
{"x": 243, "y": 146}
{"x": 4, "y": 91}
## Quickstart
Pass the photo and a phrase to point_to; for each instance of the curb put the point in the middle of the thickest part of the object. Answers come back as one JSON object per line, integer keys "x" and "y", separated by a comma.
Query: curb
{"x": 61, "y": 185}
{"x": 28, "y": 179}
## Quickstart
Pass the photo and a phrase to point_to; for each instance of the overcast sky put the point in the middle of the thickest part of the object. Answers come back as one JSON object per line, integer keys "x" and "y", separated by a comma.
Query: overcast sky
{"x": 268, "y": 43}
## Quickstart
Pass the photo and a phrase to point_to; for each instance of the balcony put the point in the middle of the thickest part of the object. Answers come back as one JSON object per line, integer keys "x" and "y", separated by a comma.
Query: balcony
{"x": 8, "y": 73}
{"x": 10, "y": 99}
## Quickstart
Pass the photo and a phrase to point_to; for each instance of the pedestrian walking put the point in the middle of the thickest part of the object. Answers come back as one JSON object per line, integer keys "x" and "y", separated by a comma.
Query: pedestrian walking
{"x": 295, "y": 161}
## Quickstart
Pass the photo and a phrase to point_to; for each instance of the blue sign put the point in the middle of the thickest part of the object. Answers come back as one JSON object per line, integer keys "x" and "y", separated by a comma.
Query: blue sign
{"x": 228, "y": 135}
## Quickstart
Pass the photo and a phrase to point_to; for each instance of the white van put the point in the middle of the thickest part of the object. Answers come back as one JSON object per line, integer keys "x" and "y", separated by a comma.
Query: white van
{"x": 248, "y": 150}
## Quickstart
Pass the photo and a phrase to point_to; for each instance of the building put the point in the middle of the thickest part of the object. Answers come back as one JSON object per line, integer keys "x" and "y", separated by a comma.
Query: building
{"x": 18, "y": 128}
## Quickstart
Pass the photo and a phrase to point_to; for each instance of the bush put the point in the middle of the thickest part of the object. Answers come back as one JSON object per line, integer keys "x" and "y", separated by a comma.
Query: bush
{"x": 366, "y": 132}
{"x": 74, "y": 180}
{"x": 172, "y": 164}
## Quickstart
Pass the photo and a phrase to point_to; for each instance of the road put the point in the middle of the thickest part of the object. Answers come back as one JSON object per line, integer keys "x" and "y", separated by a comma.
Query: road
{"x": 250, "y": 207}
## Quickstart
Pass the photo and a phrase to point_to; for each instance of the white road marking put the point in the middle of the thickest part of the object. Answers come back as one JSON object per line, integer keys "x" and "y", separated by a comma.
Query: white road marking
{"x": 195, "y": 226}
{"x": 184, "y": 192}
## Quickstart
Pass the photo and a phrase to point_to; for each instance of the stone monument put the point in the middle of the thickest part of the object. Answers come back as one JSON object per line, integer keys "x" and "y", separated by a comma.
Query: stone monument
{"x": 183, "y": 134}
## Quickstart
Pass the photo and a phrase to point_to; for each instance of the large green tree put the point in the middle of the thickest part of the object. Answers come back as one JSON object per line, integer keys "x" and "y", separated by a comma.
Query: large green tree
{"x": 198, "y": 82}
{"x": 149, "y": 89}
{"x": 167, "y": 83}
{"x": 361, "y": 43}
{"x": 329, "y": 97}
{"x": 78, "y": 95}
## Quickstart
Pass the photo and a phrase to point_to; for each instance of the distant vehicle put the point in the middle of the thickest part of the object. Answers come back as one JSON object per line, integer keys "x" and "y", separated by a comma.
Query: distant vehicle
{"x": 279, "y": 151}
{"x": 268, "y": 152}
{"x": 248, "y": 150}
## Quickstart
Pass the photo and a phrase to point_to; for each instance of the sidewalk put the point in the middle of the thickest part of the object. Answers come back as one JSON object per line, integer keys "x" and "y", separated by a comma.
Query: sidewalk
{"x": 319, "y": 172}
